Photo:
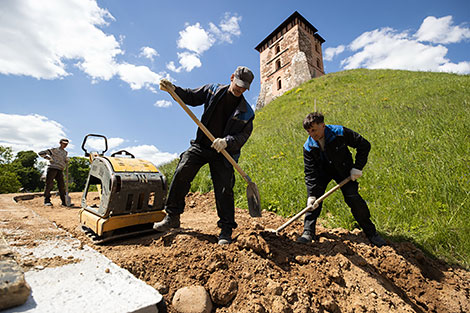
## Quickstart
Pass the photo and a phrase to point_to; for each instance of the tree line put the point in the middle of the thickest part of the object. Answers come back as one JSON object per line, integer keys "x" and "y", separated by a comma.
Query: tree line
{"x": 25, "y": 172}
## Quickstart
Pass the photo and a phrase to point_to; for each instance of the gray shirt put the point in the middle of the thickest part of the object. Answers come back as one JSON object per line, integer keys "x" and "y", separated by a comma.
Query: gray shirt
{"x": 57, "y": 157}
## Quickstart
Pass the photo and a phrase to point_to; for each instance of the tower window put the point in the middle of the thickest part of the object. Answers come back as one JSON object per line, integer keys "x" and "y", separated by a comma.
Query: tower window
{"x": 318, "y": 63}
{"x": 279, "y": 84}
{"x": 278, "y": 64}
{"x": 278, "y": 49}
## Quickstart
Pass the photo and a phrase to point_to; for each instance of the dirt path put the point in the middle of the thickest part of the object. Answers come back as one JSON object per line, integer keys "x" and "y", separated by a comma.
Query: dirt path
{"x": 268, "y": 273}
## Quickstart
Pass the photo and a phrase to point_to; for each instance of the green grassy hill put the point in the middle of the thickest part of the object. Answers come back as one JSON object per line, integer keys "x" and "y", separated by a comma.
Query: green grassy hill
{"x": 417, "y": 180}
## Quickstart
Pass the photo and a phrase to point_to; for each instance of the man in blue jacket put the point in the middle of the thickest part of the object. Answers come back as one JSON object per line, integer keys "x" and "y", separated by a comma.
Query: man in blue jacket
{"x": 229, "y": 118}
{"x": 327, "y": 157}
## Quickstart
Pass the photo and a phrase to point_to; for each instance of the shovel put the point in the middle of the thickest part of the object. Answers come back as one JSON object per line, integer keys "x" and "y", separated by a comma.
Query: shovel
{"x": 252, "y": 193}
{"x": 329, "y": 192}
{"x": 68, "y": 200}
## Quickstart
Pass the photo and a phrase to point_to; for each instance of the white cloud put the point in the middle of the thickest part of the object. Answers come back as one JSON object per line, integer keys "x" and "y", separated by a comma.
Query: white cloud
{"x": 148, "y": 53}
{"x": 197, "y": 40}
{"x": 163, "y": 104}
{"x": 228, "y": 27}
{"x": 441, "y": 30}
{"x": 30, "y": 132}
{"x": 97, "y": 144}
{"x": 390, "y": 49}
{"x": 330, "y": 53}
{"x": 188, "y": 61}
{"x": 139, "y": 77}
{"x": 172, "y": 67}
{"x": 152, "y": 154}
{"x": 459, "y": 68}
{"x": 42, "y": 41}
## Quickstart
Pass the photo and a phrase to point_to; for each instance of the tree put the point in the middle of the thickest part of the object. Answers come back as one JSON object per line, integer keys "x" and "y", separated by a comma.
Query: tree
{"x": 8, "y": 179}
{"x": 79, "y": 168}
{"x": 28, "y": 175}
{"x": 6, "y": 155}
{"x": 26, "y": 158}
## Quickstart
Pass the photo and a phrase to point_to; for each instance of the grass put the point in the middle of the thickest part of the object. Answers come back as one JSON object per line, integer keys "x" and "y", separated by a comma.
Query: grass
{"x": 417, "y": 179}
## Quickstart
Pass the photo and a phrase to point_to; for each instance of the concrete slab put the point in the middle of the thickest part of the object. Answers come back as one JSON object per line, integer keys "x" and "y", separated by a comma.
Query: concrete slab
{"x": 72, "y": 277}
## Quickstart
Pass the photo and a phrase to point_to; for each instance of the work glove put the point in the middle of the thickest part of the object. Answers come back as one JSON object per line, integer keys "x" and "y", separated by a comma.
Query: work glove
{"x": 219, "y": 144}
{"x": 166, "y": 85}
{"x": 355, "y": 174}
{"x": 311, "y": 203}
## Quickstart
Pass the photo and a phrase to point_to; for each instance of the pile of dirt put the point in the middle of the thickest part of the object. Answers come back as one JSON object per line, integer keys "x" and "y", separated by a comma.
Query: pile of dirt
{"x": 262, "y": 272}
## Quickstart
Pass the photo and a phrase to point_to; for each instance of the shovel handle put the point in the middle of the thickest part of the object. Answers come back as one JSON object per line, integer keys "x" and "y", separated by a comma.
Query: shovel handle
{"x": 341, "y": 184}
{"x": 208, "y": 134}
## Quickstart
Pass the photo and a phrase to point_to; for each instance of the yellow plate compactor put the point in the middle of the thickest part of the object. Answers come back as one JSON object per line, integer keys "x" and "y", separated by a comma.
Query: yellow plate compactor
{"x": 130, "y": 195}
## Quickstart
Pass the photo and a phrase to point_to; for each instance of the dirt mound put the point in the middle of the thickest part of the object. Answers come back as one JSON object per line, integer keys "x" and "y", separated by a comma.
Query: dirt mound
{"x": 262, "y": 272}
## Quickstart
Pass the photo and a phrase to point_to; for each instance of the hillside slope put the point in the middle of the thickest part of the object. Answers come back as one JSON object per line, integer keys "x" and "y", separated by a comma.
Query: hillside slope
{"x": 417, "y": 180}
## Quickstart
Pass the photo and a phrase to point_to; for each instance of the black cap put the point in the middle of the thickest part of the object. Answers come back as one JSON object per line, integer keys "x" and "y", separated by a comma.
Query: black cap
{"x": 243, "y": 77}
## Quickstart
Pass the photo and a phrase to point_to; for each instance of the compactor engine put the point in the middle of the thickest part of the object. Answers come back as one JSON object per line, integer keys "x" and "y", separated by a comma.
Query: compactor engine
{"x": 130, "y": 195}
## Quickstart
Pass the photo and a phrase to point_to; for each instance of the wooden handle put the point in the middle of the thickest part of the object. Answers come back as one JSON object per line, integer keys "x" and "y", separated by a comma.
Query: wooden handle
{"x": 208, "y": 134}
{"x": 341, "y": 184}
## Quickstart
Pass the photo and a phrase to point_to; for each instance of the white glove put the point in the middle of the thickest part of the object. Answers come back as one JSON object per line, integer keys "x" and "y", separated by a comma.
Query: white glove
{"x": 355, "y": 174}
{"x": 166, "y": 85}
{"x": 219, "y": 144}
{"x": 311, "y": 203}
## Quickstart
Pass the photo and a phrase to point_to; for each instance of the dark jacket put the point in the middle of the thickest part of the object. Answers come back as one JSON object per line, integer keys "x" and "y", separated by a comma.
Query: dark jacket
{"x": 240, "y": 125}
{"x": 336, "y": 160}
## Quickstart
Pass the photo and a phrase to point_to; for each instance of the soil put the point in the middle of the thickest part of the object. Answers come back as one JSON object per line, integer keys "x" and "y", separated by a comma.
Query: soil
{"x": 265, "y": 272}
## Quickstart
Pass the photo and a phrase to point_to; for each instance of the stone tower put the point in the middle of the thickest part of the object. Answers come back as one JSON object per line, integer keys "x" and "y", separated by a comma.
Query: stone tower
{"x": 289, "y": 56}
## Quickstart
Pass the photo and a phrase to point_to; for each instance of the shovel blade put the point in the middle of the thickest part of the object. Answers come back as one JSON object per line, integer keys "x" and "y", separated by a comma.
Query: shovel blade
{"x": 254, "y": 200}
{"x": 68, "y": 200}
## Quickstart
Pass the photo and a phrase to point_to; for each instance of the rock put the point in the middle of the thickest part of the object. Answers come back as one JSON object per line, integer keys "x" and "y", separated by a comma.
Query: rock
{"x": 192, "y": 299}
{"x": 255, "y": 242}
{"x": 280, "y": 305}
{"x": 162, "y": 288}
{"x": 222, "y": 287}
{"x": 330, "y": 305}
{"x": 274, "y": 288}
{"x": 14, "y": 290}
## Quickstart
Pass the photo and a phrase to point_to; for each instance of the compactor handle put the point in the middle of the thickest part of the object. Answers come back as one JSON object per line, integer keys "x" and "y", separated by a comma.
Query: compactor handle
{"x": 121, "y": 153}
{"x": 94, "y": 135}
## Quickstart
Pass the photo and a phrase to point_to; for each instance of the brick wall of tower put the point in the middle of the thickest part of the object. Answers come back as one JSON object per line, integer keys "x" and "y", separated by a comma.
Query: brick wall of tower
{"x": 288, "y": 61}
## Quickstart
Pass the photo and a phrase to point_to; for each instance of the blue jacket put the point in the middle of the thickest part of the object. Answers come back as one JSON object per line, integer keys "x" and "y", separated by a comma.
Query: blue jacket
{"x": 240, "y": 125}
{"x": 336, "y": 158}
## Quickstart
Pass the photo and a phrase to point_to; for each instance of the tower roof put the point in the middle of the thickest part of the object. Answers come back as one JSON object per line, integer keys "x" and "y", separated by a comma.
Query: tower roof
{"x": 294, "y": 17}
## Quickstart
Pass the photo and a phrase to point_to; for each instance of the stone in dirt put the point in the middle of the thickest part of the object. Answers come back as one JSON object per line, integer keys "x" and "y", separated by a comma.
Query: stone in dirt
{"x": 192, "y": 299}
{"x": 14, "y": 290}
{"x": 223, "y": 287}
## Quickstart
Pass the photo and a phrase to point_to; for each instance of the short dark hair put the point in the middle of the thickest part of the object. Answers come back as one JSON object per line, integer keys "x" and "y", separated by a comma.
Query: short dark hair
{"x": 313, "y": 118}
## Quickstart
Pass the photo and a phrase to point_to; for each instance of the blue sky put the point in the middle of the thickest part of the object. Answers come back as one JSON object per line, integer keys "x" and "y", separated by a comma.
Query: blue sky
{"x": 73, "y": 67}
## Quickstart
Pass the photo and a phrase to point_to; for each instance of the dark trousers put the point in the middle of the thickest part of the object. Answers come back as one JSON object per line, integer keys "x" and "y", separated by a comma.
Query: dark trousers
{"x": 53, "y": 173}
{"x": 358, "y": 206}
{"x": 223, "y": 180}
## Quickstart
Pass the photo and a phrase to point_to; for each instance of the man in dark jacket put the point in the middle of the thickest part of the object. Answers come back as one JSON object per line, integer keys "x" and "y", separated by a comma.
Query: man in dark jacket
{"x": 327, "y": 157}
{"x": 229, "y": 118}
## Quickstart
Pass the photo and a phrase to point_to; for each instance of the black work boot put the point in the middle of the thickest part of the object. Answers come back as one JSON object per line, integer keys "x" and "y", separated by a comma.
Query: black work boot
{"x": 169, "y": 222}
{"x": 225, "y": 237}
{"x": 306, "y": 237}
{"x": 377, "y": 240}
